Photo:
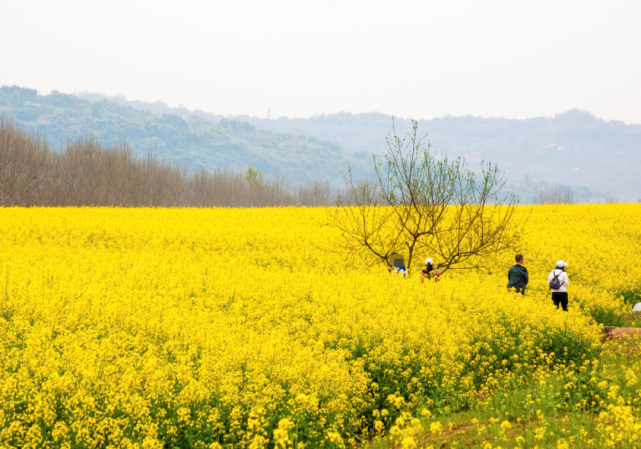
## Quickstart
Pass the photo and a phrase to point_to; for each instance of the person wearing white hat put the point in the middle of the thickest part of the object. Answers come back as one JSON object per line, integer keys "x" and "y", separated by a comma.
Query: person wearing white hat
{"x": 429, "y": 271}
{"x": 558, "y": 281}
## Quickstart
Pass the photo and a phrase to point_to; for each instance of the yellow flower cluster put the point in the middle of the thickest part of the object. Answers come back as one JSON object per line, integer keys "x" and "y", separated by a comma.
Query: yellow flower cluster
{"x": 600, "y": 244}
{"x": 594, "y": 404}
{"x": 241, "y": 328}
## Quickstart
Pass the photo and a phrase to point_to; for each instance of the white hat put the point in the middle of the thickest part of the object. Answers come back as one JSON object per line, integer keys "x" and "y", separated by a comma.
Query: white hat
{"x": 428, "y": 260}
{"x": 560, "y": 264}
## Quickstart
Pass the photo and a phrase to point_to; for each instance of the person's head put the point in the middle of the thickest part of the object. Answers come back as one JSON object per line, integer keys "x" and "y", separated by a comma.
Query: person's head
{"x": 560, "y": 265}
{"x": 429, "y": 264}
{"x": 519, "y": 259}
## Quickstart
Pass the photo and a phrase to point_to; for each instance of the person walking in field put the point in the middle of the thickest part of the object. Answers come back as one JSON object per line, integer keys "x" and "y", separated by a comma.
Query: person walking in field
{"x": 429, "y": 272}
{"x": 558, "y": 280}
{"x": 398, "y": 270}
{"x": 517, "y": 276}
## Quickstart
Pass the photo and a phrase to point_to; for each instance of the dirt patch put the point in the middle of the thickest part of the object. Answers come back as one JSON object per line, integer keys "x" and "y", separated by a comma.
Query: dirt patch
{"x": 619, "y": 332}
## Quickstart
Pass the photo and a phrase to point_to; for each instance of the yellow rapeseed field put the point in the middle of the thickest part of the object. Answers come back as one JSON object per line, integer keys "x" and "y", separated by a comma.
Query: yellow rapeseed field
{"x": 202, "y": 328}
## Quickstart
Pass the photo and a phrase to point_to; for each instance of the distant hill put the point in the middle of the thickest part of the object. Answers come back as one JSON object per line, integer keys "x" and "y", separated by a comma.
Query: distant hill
{"x": 185, "y": 139}
{"x": 597, "y": 158}
{"x": 573, "y": 149}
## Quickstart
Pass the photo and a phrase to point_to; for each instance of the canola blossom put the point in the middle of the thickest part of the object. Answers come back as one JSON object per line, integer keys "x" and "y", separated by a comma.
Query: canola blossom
{"x": 213, "y": 328}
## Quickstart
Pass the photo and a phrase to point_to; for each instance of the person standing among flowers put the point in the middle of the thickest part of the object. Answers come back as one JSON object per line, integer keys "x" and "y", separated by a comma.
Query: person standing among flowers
{"x": 398, "y": 270}
{"x": 517, "y": 276}
{"x": 558, "y": 280}
{"x": 429, "y": 271}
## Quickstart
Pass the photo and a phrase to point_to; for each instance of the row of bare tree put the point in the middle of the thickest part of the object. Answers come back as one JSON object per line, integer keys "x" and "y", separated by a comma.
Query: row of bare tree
{"x": 88, "y": 173}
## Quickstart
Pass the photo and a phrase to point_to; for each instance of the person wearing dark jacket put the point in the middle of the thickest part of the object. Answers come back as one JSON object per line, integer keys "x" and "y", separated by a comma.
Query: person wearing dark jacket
{"x": 518, "y": 276}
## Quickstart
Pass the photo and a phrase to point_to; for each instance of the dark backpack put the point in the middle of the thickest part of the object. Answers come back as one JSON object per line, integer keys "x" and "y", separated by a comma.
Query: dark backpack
{"x": 556, "y": 283}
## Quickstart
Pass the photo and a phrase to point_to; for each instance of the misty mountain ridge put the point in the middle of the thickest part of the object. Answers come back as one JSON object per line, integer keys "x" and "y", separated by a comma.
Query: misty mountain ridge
{"x": 574, "y": 148}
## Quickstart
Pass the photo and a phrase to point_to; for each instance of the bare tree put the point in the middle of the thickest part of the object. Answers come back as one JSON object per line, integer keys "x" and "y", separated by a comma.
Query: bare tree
{"x": 422, "y": 203}
{"x": 314, "y": 193}
{"x": 612, "y": 200}
{"x": 554, "y": 195}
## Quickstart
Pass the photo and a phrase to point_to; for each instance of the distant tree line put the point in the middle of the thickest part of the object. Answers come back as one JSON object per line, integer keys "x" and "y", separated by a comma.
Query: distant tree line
{"x": 87, "y": 172}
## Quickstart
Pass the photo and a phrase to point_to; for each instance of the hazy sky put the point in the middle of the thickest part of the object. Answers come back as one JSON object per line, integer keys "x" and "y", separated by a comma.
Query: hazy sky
{"x": 416, "y": 59}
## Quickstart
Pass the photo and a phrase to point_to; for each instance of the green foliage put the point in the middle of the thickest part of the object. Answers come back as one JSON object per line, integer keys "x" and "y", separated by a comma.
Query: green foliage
{"x": 254, "y": 176}
{"x": 631, "y": 295}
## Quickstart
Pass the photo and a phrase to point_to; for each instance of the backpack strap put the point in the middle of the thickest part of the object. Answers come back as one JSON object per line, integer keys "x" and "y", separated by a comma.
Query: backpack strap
{"x": 558, "y": 275}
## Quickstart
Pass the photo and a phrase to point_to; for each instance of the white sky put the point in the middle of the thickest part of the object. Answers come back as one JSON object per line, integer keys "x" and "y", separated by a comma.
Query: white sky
{"x": 416, "y": 59}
